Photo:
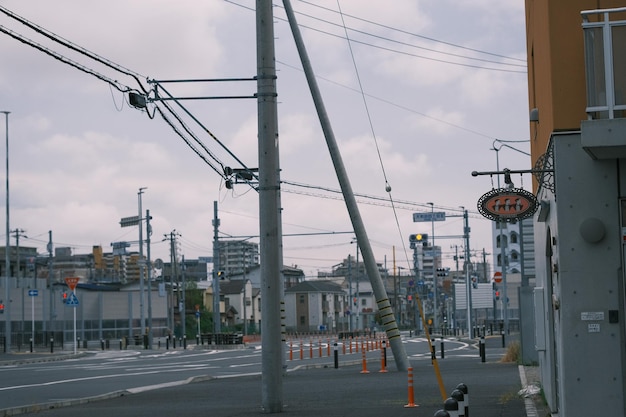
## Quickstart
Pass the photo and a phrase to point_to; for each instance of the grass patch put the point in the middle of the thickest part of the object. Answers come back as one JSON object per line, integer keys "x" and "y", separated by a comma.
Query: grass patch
{"x": 513, "y": 353}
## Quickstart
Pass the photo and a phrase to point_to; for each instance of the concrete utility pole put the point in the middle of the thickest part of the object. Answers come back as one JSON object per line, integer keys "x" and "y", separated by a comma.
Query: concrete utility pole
{"x": 141, "y": 264}
{"x": 149, "y": 264}
{"x": 269, "y": 212}
{"x": 217, "y": 325}
{"x": 7, "y": 260}
{"x": 382, "y": 300}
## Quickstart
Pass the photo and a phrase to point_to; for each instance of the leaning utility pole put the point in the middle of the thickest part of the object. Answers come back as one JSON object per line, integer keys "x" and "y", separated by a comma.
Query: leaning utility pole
{"x": 382, "y": 300}
{"x": 270, "y": 229}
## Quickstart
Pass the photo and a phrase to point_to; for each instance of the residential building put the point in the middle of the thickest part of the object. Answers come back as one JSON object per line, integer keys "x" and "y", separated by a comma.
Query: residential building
{"x": 577, "y": 100}
{"x": 315, "y": 306}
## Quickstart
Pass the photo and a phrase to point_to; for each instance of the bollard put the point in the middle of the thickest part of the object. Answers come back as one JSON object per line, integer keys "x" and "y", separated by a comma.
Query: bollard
{"x": 383, "y": 360}
{"x": 459, "y": 397}
{"x": 452, "y": 407}
{"x": 291, "y": 350}
{"x": 31, "y": 345}
{"x": 385, "y": 352}
{"x": 441, "y": 413}
{"x": 463, "y": 388}
{"x": 197, "y": 340}
{"x": 364, "y": 361}
{"x": 173, "y": 342}
{"x": 503, "y": 342}
{"x": 52, "y": 345}
{"x": 433, "y": 355}
{"x": 185, "y": 342}
{"x": 319, "y": 345}
{"x": 120, "y": 344}
{"x": 301, "y": 350}
{"x": 443, "y": 355}
{"x": 167, "y": 343}
{"x": 411, "y": 393}
{"x": 482, "y": 349}
{"x": 101, "y": 344}
{"x": 328, "y": 347}
{"x": 343, "y": 346}
{"x": 336, "y": 353}
{"x": 310, "y": 349}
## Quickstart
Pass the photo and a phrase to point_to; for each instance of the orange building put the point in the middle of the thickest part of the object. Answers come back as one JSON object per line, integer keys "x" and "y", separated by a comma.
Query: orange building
{"x": 577, "y": 99}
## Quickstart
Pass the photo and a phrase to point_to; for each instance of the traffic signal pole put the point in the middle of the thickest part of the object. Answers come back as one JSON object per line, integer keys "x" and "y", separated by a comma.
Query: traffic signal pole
{"x": 382, "y": 300}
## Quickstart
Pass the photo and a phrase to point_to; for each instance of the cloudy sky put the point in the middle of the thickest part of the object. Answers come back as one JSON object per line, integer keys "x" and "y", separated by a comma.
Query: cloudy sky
{"x": 428, "y": 85}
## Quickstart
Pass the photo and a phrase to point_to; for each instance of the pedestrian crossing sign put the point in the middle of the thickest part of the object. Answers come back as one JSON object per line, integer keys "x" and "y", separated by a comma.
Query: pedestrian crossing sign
{"x": 72, "y": 300}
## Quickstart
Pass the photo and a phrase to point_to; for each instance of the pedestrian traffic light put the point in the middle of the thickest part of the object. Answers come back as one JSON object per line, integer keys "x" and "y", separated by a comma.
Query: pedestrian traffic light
{"x": 497, "y": 294}
{"x": 1, "y": 308}
{"x": 354, "y": 301}
{"x": 64, "y": 297}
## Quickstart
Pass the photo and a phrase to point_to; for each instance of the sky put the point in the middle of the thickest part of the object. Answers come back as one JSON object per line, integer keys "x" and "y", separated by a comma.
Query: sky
{"x": 419, "y": 93}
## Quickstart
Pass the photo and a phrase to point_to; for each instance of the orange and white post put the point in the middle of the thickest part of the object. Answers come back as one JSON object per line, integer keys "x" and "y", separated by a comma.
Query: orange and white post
{"x": 411, "y": 390}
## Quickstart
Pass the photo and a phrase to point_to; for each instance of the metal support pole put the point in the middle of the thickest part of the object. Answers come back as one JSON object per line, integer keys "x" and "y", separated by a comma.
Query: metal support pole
{"x": 217, "y": 325}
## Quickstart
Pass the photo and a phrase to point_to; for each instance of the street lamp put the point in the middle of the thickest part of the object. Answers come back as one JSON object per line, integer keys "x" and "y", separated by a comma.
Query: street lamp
{"x": 7, "y": 291}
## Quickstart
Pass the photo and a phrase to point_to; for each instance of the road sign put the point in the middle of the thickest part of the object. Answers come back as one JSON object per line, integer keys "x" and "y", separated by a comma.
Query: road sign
{"x": 129, "y": 221}
{"x": 71, "y": 282}
{"x": 497, "y": 277}
{"x": 33, "y": 293}
{"x": 437, "y": 216}
{"x": 72, "y": 300}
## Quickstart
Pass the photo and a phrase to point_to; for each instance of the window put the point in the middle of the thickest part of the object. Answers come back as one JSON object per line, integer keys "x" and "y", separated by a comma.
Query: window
{"x": 303, "y": 320}
{"x": 302, "y": 299}
{"x": 513, "y": 237}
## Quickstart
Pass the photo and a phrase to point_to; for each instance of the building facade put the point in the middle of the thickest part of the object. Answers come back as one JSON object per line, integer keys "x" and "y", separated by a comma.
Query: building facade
{"x": 577, "y": 100}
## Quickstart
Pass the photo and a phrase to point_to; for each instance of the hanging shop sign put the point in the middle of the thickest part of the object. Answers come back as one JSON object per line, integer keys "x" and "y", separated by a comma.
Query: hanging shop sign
{"x": 507, "y": 204}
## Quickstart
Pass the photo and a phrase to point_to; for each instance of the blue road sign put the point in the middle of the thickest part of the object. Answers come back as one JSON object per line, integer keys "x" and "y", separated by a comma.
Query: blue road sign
{"x": 72, "y": 300}
{"x": 437, "y": 216}
{"x": 33, "y": 293}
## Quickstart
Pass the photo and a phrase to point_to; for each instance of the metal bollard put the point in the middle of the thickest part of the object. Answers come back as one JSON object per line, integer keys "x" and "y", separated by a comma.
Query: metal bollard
{"x": 452, "y": 407}
{"x": 336, "y": 353}
{"x": 441, "y": 413}
{"x": 102, "y": 344}
{"x": 503, "y": 342}
{"x": 463, "y": 388}
{"x": 443, "y": 355}
{"x": 184, "y": 341}
{"x": 52, "y": 345}
{"x": 482, "y": 349}
{"x": 460, "y": 399}
{"x": 433, "y": 355}
{"x": 31, "y": 345}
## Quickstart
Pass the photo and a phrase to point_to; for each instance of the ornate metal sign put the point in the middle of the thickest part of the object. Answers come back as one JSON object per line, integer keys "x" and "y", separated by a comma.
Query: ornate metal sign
{"x": 507, "y": 204}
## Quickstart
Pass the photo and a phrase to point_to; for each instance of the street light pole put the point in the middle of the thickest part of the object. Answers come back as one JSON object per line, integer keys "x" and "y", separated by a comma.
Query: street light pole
{"x": 7, "y": 268}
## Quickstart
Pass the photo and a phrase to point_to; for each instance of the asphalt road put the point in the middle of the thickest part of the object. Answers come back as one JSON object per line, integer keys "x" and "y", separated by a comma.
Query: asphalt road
{"x": 201, "y": 381}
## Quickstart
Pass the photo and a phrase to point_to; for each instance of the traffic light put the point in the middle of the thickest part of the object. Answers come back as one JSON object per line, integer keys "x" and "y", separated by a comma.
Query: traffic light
{"x": 1, "y": 308}
{"x": 354, "y": 301}
{"x": 220, "y": 275}
{"x": 64, "y": 297}
{"x": 474, "y": 281}
{"x": 443, "y": 272}
{"x": 497, "y": 294}
{"x": 419, "y": 238}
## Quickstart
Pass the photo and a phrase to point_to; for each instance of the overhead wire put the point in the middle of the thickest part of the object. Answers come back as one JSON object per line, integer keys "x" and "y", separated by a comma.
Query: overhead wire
{"x": 373, "y": 132}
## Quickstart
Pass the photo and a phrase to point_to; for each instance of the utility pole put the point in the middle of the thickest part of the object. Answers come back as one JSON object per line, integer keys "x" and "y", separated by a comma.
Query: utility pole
{"x": 141, "y": 264}
{"x": 382, "y": 300}
{"x": 50, "y": 286}
{"x": 173, "y": 275}
{"x": 17, "y": 233}
{"x": 181, "y": 305}
{"x": 269, "y": 213}
{"x": 468, "y": 284}
{"x": 217, "y": 325}
{"x": 7, "y": 260}
{"x": 149, "y": 264}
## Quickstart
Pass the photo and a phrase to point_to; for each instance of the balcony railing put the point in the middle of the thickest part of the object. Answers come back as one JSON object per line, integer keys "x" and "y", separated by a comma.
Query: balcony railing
{"x": 605, "y": 62}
